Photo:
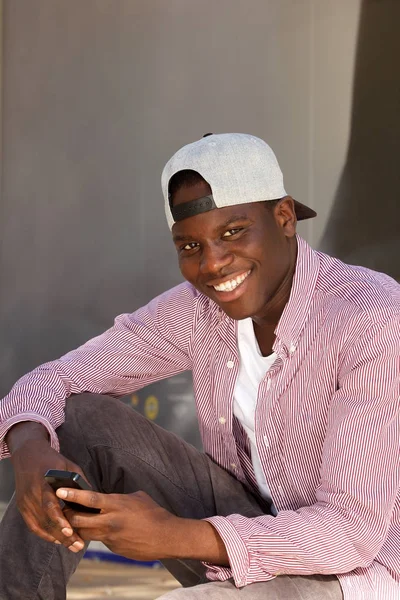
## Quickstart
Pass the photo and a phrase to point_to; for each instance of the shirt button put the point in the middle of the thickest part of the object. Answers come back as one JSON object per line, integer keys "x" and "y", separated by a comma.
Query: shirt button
{"x": 266, "y": 442}
{"x": 230, "y": 364}
{"x": 233, "y": 465}
{"x": 292, "y": 349}
{"x": 222, "y": 420}
{"x": 280, "y": 489}
{"x": 268, "y": 384}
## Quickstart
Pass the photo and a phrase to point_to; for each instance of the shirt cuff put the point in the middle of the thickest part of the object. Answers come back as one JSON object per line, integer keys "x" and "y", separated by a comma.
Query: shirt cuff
{"x": 21, "y": 418}
{"x": 238, "y": 554}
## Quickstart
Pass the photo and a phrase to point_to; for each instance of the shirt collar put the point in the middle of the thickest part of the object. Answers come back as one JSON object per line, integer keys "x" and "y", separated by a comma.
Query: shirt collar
{"x": 296, "y": 311}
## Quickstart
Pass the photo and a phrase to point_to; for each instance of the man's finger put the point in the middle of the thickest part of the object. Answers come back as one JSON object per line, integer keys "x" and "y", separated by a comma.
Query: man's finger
{"x": 56, "y": 523}
{"x": 67, "y": 536}
{"x": 51, "y": 505}
{"x": 92, "y": 535}
{"x": 86, "y": 498}
{"x": 55, "y": 518}
{"x": 35, "y": 528}
{"x": 48, "y": 528}
{"x": 45, "y": 532}
{"x": 86, "y": 521}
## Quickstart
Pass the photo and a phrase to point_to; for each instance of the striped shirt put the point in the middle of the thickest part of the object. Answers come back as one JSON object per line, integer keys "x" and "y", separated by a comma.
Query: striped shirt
{"x": 327, "y": 418}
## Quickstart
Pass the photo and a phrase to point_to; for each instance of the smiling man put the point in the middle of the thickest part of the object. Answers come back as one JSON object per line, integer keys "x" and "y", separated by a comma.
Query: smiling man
{"x": 295, "y": 359}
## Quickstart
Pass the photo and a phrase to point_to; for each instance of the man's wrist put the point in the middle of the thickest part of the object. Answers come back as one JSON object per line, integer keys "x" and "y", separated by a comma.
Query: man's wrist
{"x": 25, "y": 432}
{"x": 197, "y": 540}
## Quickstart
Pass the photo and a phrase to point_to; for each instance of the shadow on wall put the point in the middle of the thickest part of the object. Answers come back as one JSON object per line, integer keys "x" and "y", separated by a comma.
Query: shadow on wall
{"x": 363, "y": 227}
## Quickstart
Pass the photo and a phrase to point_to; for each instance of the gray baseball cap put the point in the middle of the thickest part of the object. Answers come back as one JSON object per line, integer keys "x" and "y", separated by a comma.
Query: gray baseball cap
{"x": 239, "y": 168}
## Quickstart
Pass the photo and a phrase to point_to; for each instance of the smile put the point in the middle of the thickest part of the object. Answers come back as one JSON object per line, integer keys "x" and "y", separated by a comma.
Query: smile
{"x": 229, "y": 286}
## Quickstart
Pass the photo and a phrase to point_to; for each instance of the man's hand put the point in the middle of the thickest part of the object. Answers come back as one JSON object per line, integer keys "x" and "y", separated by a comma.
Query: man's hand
{"x": 131, "y": 525}
{"x": 135, "y": 526}
{"x": 31, "y": 457}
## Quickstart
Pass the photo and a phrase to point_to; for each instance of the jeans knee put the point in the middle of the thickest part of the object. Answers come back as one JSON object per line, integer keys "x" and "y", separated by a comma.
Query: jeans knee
{"x": 90, "y": 408}
{"x": 91, "y": 417}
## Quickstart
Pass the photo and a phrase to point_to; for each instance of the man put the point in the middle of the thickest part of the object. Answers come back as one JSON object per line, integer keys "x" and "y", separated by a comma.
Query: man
{"x": 295, "y": 361}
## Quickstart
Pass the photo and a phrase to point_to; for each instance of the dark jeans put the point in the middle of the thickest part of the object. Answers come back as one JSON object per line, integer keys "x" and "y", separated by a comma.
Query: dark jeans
{"x": 120, "y": 452}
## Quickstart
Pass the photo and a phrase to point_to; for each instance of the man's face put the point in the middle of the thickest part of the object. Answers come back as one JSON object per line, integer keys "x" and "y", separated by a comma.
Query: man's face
{"x": 239, "y": 256}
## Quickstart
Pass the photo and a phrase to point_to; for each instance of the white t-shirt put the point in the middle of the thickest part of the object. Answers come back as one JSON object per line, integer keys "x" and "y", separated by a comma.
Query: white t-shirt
{"x": 253, "y": 368}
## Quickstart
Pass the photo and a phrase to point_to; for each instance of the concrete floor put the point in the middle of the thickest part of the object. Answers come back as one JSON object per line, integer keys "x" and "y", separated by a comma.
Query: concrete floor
{"x": 94, "y": 580}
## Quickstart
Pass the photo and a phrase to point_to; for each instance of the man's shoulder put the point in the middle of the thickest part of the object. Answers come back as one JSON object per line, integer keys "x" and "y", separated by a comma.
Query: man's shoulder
{"x": 183, "y": 297}
{"x": 359, "y": 289}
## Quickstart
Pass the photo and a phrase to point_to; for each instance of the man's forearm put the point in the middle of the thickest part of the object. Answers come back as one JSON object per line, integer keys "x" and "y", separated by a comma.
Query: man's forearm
{"x": 26, "y": 431}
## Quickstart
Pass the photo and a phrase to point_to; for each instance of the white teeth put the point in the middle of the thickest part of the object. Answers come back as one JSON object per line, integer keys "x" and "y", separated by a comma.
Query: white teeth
{"x": 228, "y": 286}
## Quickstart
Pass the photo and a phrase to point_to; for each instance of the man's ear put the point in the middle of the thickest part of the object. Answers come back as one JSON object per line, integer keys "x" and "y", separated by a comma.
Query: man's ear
{"x": 285, "y": 216}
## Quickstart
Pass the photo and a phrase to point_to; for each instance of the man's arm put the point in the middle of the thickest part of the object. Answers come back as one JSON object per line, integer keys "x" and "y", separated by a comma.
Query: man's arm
{"x": 25, "y": 432}
{"x": 141, "y": 348}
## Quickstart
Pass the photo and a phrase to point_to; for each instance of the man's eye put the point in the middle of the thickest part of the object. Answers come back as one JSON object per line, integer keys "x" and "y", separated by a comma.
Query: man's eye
{"x": 231, "y": 232}
{"x": 189, "y": 246}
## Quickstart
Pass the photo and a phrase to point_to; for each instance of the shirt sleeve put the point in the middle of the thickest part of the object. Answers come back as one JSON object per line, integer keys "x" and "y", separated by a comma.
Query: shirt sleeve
{"x": 143, "y": 347}
{"x": 360, "y": 479}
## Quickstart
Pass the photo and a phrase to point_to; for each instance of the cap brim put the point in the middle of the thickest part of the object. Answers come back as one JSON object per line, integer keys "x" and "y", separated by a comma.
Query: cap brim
{"x": 303, "y": 211}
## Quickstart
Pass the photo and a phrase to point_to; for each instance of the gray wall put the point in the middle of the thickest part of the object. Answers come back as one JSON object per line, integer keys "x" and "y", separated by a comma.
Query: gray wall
{"x": 97, "y": 94}
{"x": 364, "y": 222}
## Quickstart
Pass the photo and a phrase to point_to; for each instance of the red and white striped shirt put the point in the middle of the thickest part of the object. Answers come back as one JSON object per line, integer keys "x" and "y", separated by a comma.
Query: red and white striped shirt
{"x": 327, "y": 421}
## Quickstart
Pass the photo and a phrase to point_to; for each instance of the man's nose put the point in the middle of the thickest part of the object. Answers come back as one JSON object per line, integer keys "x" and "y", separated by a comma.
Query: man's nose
{"x": 214, "y": 258}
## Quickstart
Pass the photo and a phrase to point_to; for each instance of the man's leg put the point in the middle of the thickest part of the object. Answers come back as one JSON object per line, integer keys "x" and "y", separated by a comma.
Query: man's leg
{"x": 316, "y": 587}
{"x": 31, "y": 568}
{"x": 120, "y": 452}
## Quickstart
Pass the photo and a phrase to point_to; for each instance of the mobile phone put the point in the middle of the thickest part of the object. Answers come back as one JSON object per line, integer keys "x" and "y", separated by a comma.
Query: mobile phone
{"x": 69, "y": 479}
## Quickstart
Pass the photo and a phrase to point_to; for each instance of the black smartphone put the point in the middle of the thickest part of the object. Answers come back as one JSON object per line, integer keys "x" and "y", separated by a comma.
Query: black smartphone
{"x": 69, "y": 479}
